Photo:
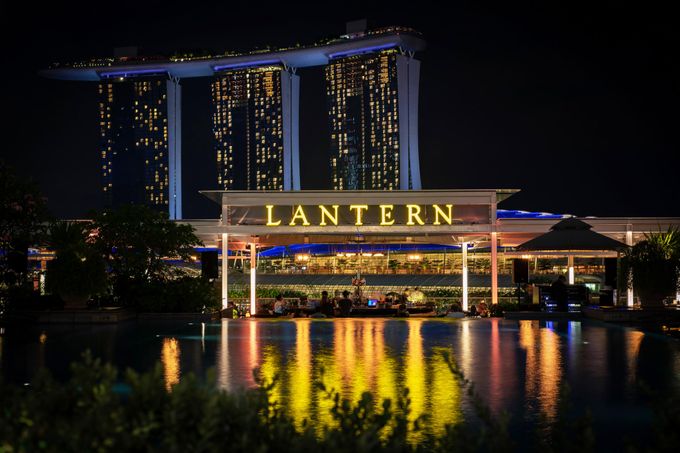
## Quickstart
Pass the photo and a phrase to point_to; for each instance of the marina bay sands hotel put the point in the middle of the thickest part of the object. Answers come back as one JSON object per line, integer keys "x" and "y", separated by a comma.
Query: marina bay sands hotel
{"x": 372, "y": 98}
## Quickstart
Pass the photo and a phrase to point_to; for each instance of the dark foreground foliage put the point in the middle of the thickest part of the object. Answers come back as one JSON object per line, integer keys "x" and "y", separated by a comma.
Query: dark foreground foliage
{"x": 90, "y": 413}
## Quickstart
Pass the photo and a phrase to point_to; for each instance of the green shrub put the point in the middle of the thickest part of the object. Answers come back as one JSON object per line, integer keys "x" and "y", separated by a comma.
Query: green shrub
{"x": 94, "y": 411}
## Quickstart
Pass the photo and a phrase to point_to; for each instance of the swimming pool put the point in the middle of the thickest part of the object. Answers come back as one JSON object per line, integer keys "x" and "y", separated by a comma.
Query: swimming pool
{"x": 517, "y": 366}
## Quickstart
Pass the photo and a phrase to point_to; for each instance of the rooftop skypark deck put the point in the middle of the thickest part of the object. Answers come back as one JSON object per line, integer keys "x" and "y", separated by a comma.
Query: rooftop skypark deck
{"x": 188, "y": 65}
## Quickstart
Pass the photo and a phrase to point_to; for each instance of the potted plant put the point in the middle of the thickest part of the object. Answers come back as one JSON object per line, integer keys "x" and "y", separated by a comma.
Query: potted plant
{"x": 653, "y": 267}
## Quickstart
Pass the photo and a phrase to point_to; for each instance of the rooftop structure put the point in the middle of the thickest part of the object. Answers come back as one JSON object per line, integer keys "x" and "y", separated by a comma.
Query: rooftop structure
{"x": 185, "y": 66}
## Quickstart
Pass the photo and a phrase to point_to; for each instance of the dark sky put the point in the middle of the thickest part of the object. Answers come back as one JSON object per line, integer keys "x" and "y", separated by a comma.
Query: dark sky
{"x": 574, "y": 103}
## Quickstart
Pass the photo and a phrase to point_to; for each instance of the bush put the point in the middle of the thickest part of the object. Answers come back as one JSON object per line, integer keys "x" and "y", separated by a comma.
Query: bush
{"x": 93, "y": 411}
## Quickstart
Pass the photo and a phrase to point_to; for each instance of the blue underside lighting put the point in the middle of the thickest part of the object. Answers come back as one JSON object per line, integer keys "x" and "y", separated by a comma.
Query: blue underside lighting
{"x": 332, "y": 249}
{"x": 517, "y": 214}
{"x": 132, "y": 73}
{"x": 363, "y": 50}
{"x": 249, "y": 64}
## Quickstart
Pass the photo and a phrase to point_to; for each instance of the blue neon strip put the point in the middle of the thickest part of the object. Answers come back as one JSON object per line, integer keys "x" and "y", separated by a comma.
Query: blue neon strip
{"x": 248, "y": 64}
{"x": 133, "y": 72}
{"x": 349, "y": 53}
{"x": 517, "y": 214}
{"x": 332, "y": 249}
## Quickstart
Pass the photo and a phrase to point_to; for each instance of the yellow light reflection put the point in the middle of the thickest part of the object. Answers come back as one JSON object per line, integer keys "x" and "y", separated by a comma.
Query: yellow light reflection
{"x": 551, "y": 372}
{"x": 170, "y": 359}
{"x": 543, "y": 366}
{"x": 359, "y": 360}
{"x": 415, "y": 369}
{"x": 384, "y": 374}
{"x": 444, "y": 393}
{"x": 223, "y": 375}
{"x": 270, "y": 372}
{"x": 326, "y": 372}
{"x": 301, "y": 374}
{"x": 633, "y": 341}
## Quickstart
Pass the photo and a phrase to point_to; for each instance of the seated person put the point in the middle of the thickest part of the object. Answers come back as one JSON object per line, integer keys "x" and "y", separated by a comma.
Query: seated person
{"x": 483, "y": 310}
{"x": 308, "y": 304}
{"x": 473, "y": 310}
{"x": 279, "y": 306}
{"x": 326, "y": 305}
{"x": 345, "y": 304}
{"x": 402, "y": 312}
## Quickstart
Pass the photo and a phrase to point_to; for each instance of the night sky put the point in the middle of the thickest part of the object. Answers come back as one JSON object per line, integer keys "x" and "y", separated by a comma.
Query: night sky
{"x": 575, "y": 104}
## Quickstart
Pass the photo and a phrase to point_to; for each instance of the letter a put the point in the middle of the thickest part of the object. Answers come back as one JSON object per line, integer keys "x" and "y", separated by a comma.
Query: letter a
{"x": 299, "y": 214}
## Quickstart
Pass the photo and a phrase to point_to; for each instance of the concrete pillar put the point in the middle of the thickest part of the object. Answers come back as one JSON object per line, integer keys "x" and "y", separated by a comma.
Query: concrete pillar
{"x": 630, "y": 298}
{"x": 494, "y": 268}
{"x": 225, "y": 269}
{"x": 290, "y": 112}
{"x": 463, "y": 248}
{"x": 174, "y": 98}
{"x": 253, "y": 266}
{"x": 570, "y": 262}
{"x": 408, "y": 74}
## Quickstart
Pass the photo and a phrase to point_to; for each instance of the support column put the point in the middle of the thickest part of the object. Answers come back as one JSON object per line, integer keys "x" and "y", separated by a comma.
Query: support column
{"x": 253, "y": 267}
{"x": 225, "y": 270}
{"x": 290, "y": 112}
{"x": 464, "y": 248}
{"x": 630, "y": 297}
{"x": 570, "y": 261}
{"x": 408, "y": 74}
{"x": 174, "y": 99}
{"x": 494, "y": 268}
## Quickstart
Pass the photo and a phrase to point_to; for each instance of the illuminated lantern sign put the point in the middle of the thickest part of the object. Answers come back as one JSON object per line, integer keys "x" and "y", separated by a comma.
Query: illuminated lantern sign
{"x": 360, "y": 215}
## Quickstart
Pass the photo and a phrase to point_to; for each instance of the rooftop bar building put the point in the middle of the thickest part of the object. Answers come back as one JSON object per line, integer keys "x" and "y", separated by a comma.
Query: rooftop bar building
{"x": 258, "y": 220}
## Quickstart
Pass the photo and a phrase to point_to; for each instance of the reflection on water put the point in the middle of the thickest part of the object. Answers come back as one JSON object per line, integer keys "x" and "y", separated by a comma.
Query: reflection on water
{"x": 351, "y": 358}
{"x": 543, "y": 366}
{"x": 170, "y": 361}
{"x": 633, "y": 341}
{"x": 309, "y": 361}
{"x": 516, "y": 366}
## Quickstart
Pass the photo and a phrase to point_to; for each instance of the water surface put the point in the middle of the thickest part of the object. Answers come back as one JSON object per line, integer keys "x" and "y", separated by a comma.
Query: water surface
{"x": 517, "y": 366}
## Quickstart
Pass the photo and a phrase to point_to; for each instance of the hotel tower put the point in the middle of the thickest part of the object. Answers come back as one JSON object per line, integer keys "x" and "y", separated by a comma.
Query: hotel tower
{"x": 255, "y": 127}
{"x": 372, "y": 97}
{"x": 139, "y": 143}
{"x": 373, "y": 120}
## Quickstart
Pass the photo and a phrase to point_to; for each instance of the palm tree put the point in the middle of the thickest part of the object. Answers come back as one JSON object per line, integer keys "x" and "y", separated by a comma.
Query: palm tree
{"x": 653, "y": 267}
{"x": 78, "y": 271}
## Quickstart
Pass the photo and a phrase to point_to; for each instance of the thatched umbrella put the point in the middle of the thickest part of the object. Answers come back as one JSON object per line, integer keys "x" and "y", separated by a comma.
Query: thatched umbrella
{"x": 573, "y": 235}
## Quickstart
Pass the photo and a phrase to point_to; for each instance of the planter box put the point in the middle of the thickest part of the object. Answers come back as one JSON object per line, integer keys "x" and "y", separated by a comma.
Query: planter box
{"x": 543, "y": 315}
{"x": 197, "y": 317}
{"x": 103, "y": 316}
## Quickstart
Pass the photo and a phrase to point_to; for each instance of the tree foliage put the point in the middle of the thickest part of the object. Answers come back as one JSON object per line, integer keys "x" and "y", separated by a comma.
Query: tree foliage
{"x": 23, "y": 215}
{"x": 135, "y": 240}
{"x": 78, "y": 270}
{"x": 653, "y": 266}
